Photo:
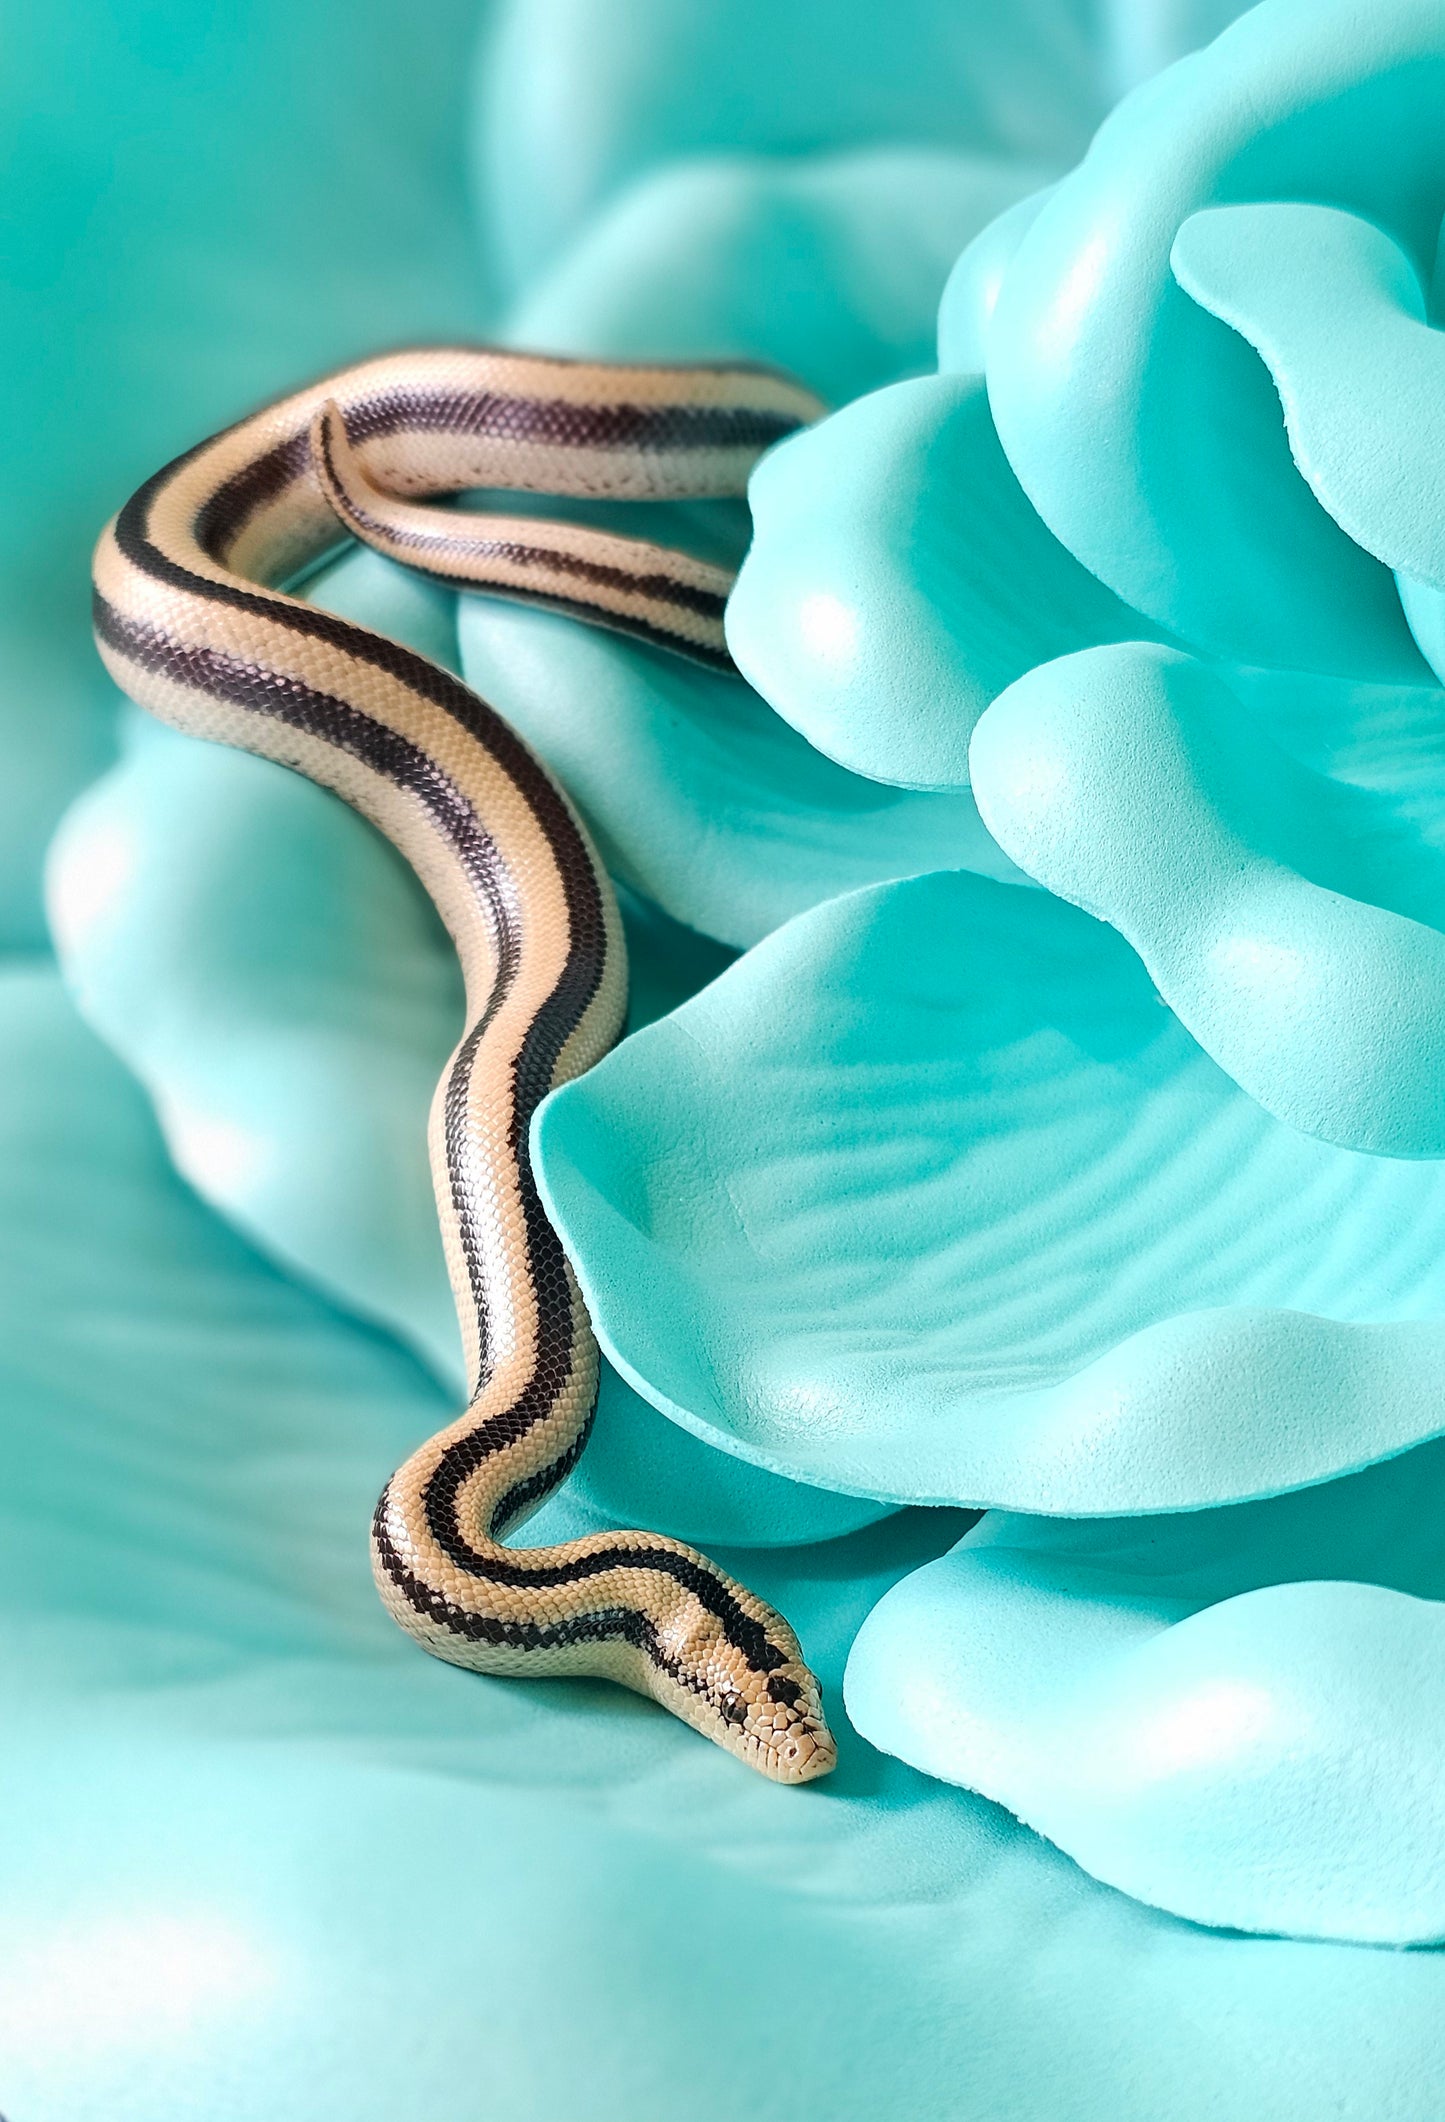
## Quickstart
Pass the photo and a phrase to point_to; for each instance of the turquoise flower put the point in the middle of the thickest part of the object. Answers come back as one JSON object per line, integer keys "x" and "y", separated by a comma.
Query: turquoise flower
{"x": 950, "y": 1192}
{"x": 267, "y": 1860}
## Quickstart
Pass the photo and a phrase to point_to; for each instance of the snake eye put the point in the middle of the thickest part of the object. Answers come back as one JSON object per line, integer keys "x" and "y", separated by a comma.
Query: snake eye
{"x": 734, "y": 1709}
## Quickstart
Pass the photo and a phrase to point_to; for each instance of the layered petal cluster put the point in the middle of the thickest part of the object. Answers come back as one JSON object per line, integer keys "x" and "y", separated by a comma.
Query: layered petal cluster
{"x": 1248, "y": 786}
{"x": 1125, "y": 1205}
{"x": 1118, "y": 1200}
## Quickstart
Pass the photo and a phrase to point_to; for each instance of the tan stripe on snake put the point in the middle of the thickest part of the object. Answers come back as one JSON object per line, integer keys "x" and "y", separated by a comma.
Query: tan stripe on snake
{"x": 191, "y": 620}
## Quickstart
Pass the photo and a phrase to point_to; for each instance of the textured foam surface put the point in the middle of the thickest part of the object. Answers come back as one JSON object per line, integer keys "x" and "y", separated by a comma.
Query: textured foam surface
{"x": 144, "y": 309}
{"x": 699, "y": 795}
{"x": 580, "y": 98}
{"x": 829, "y": 266}
{"x": 1147, "y": 433}
{"x": 929, "y": 1197}
{"x": 1337, "y": 312}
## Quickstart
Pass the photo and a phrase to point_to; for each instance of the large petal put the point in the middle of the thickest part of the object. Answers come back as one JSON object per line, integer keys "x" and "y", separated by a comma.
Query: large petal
{"x": 929, "y": 1197}
{"x": 580, "y": 97}
{"x": 1336, "y": 311}
{"x": 1145, "y": 432}
{"x": 1188, "y": 1708}
{"x": 829, "y": 266}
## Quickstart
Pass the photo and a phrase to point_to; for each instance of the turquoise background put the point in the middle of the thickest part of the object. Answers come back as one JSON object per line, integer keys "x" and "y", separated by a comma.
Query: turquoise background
{"x": 257, "y": 1857}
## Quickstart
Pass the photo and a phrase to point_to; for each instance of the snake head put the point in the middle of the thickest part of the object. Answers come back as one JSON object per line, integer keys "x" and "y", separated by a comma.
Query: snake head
{"x": 783, "y": 1731}
{"x": 762, "y": 1704}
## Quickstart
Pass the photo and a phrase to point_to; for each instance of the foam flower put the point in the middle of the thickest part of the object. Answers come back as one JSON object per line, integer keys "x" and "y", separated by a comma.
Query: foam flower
{"x": 1155, "y": 566}
{"x": 926, "y": 1197}
{"x": 1252, "y": 794}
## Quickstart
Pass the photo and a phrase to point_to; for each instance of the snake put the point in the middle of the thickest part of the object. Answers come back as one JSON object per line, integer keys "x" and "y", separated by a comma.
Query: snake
{"x": 197, "y": 616}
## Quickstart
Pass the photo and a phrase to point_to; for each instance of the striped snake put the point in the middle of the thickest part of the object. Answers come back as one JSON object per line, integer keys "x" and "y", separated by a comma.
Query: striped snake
{"x": 189, "y": 622}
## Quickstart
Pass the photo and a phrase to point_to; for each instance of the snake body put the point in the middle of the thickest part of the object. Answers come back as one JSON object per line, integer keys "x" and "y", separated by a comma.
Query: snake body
{"x": 192, "y": 622}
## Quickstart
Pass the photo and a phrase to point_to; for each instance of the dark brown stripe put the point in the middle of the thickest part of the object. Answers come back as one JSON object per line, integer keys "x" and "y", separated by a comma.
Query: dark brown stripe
{"x": 290, "y": 700}
{"x": 741, "y": 1630}
{"x": 600, "y": 1625}
{"x": 667, "y": 589}
{"x": 389, "y": 538}
{"x": 227, "y": 511}
{"x": 553, "y": 423}
{"x": 523, "y": 1496}
{"x": 285, "y": 699}
{"x": 587, "y": 929}
{"x": 607, "y": 622}
{"x": 493, "y": 415}
{"x": 546, "y": 1035}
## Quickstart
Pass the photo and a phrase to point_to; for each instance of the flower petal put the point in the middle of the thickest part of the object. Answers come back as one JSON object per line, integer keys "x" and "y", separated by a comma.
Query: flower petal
{"x": 1336, "y": 311}
{"x": 828, "y": 266}
{"x": 1146, "y": 434}
{"x": 927, "y": 1197}
{"x": 1292, "y": 921}
{"x": 578, "y": 98}
{"x": 971, "y": 292}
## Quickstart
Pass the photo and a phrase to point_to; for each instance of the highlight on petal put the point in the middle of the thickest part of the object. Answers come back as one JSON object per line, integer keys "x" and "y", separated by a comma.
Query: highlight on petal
{"x": 1188, "y": 1707}
{"x": 1292, "y": 922}
{"x": 276, "y": 977}
{"x": 699, "y": 797}
{"x": 898, "y": 579}
{"x": 928, "y": 1198}
{"x": 1147, "y": 435}
{"x": 1336, "y": 311}
{"x": 971, "y": 292}
{"x": 1424, "y": 609}
{"x": 828, "y": 266}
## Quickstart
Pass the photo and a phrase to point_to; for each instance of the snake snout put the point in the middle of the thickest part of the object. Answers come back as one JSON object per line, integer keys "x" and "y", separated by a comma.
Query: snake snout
{"x": 805, "y": 1754}
{"x": 789, "y": 1726}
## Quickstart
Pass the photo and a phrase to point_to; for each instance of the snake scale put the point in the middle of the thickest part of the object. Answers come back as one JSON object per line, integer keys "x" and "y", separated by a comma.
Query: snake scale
{"x": 193, "y": 620}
